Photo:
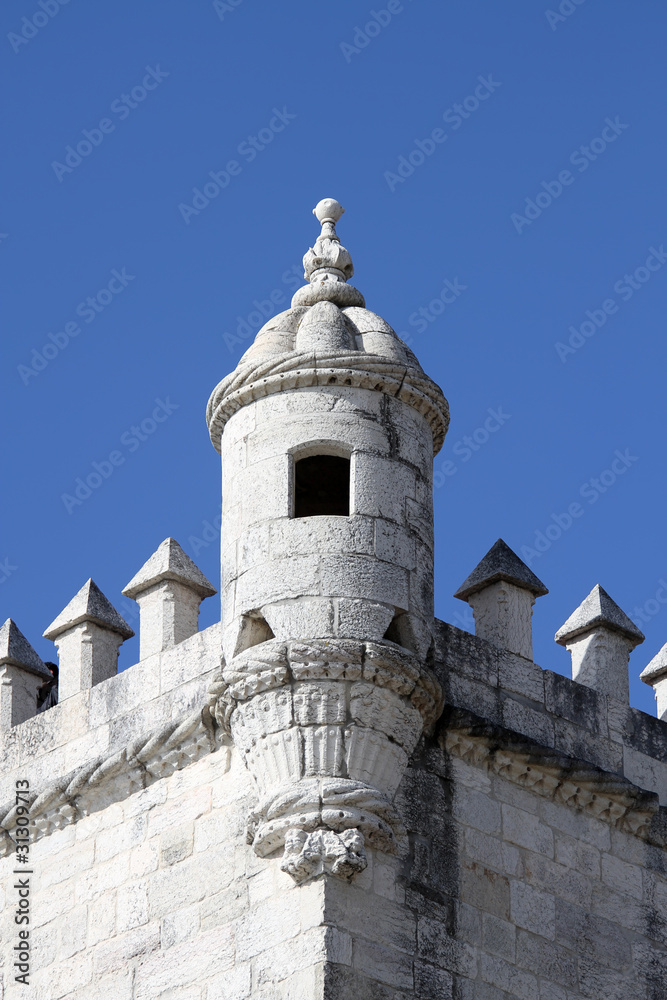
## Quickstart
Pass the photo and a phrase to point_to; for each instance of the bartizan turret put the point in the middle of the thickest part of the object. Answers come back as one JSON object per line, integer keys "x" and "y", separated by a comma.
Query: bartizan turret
{"x": 327, "y": 431}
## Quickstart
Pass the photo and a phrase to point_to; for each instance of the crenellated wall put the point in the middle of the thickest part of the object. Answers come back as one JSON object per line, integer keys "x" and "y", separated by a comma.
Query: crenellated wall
{"x": 532, "y": 862}
{"x": 330, "y": 795}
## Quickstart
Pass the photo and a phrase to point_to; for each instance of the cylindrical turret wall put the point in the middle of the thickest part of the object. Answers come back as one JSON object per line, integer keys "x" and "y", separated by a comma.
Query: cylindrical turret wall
{"x": 365, "y": 574}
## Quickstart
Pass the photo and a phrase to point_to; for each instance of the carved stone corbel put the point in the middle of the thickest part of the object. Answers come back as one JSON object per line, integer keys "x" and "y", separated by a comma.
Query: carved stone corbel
{"x": 326, "y": 728}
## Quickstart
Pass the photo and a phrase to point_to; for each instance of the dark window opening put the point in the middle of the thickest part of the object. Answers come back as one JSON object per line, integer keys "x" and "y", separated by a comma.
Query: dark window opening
{"x": 393, "y": 632}
{"x": 400, "y": 631}
{"x": 254, "y": 630}
{"x": 322, "y": 486}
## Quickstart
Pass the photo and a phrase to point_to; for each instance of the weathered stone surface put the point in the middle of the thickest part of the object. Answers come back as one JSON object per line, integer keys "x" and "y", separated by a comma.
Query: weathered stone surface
{"x": 501, "y": 563}
{"x": 89, "y": 605}
{"x": 510, "y": 847}
{"x": 655, "y": 674}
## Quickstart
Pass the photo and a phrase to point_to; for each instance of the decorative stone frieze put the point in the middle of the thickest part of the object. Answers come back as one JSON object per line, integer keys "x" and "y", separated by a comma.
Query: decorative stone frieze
{"x": 326, "y": 729}
{"x": 547, "y": 772}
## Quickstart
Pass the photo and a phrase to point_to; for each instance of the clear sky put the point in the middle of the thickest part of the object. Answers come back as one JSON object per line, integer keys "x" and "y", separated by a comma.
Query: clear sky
{"x": 502, "y": 168}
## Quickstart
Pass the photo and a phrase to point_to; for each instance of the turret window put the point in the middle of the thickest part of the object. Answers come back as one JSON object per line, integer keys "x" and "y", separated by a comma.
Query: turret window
{"x": 322, "y": 486}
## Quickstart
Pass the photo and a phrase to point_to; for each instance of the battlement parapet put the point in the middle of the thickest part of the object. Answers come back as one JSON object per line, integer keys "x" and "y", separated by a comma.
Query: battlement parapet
{"x": 551, "y": 711}
{"x": 107, "y": 717}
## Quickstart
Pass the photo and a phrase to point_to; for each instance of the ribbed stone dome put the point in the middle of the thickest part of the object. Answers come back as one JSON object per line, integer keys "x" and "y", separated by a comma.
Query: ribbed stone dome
{"x": 328, "y": 337}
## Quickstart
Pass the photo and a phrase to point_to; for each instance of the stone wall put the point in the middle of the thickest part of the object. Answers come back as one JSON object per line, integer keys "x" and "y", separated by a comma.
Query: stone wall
{"x": 533, "y": 865}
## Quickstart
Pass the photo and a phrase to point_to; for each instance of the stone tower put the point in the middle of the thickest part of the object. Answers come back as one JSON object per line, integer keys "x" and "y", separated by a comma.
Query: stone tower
{"x": 327, "y": 430}
{"x": 330, "y": 794}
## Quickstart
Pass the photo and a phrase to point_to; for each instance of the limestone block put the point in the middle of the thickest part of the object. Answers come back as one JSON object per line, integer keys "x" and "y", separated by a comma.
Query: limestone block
{"x": 278, "y": 580}
{"x": 317, "y": 535}
{"x": 264, "y": 489}
{"x": 380, "y": 486}
{"x": 240, "y": 424}
{"x": 352, "y": 426}
{"x": 235, "y": 984}
{"x": 88, "y": 655}
{"x": 363, "y": 577}
{"x": 314, "y": 399}
{"x": 123, "y": 692}
{"x": 251, "y": 548}
{"x": 73, "y": 932}
{"x": 503, "y": 615}
{"x": 362, "y": 619}
{"x": 301, "y": 618}
{"x": 394, "y": 544}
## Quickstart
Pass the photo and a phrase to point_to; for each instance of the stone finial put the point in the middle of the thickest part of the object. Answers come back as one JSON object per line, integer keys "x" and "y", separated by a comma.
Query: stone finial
{"x": 328, "y": 265}
{"x": 168, "y": 588}
{"x": 501, "y": 591}
{"x": 600, "y": 637}
{"x": 22, "y": 672}
{"x": 87, "y": 634}
{"x": 655, "y": 674}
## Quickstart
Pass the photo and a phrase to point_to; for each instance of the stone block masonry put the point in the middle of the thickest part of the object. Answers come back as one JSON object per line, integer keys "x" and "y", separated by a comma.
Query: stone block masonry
{"x": 330, "y": 794}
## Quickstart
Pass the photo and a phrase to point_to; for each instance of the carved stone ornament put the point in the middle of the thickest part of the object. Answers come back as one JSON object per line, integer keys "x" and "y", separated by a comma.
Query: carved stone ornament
{"x": 326, "y": 728}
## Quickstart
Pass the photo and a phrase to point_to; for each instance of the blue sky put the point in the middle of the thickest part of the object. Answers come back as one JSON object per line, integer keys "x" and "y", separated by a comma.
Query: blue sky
{"x": 540, "y": 199}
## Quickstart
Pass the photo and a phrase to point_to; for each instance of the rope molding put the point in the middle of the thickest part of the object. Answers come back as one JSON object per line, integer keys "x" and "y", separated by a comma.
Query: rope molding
{"x": 551, "y": 774}
{"x": 146, "y": 759}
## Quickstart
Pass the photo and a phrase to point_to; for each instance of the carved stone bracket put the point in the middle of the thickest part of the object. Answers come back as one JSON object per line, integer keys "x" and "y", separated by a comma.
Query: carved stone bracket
{"x": 326, "y": 729}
